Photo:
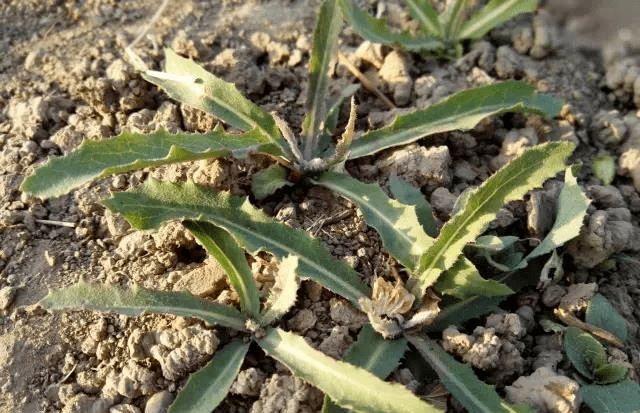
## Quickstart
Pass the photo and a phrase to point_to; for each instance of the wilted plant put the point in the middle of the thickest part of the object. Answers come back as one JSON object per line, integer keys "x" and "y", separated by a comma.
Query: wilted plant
{"x": 228, "y": 225}
{"x": 437, "y": 31}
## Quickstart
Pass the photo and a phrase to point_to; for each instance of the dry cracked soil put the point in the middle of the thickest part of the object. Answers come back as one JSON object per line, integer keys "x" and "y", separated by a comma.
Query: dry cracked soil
{"x": 63, "y": 80}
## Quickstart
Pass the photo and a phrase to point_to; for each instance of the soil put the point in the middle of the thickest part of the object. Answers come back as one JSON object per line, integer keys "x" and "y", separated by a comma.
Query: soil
{"x": 63, "y": 80}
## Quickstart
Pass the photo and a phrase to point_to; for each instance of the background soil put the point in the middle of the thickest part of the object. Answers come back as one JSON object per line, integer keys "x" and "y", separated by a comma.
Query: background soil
{"x": 62, "y": 80}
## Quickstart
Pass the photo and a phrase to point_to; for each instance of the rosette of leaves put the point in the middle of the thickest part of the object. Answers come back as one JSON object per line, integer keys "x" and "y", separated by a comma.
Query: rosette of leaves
{"x": 605, "y": 386}
{"x": 227, "y": 225}
{"x": 458, "y": 22}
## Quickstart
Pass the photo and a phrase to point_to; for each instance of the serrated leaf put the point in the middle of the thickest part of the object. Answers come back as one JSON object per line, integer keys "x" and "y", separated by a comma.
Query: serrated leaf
{"x": 409, "y": 195}
{"x": 206, "y": 388}
{"x": 137, "y": 300}
{"x": 494, "y": 14}
{"x": 601, "y": 313}
{"x": 461, "y": 381}
{"x": 224, "y": 249}
{"x": 130, "y": 150}
{"x": 350, "y": 386}
{"x": 331, "y": 120}
{"x": 374, "y": 354}
{"x": 524, "y": 173}
{"x": 623, "y": 397}
{"x": 267, "y": 181}
{"x": 584, "y": 351}
{"x": 463, "y": 280}
{"x": 425, "y": 14}
{"x": 610, "y": 373}
{"x": 377, "y": 30}
{"x": 325, "y": 39}
{"x": 604, "y": 168}
{"x": 572, "y": 208}
{"x": 396, "y": 223}
{"x": 156, "y": 202}
{"x": 188, "y": 82}
{"x": 460, "y": 111}
{"x": 287, "y": 283}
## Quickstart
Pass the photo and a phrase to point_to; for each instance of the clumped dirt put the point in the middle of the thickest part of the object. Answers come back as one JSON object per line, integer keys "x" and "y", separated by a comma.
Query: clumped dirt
{"x": 63, "y": 80}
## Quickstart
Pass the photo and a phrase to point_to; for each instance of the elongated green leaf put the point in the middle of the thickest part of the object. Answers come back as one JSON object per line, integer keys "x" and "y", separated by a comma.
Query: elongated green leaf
{"x": 460, "y": 111}
{"x": 396, "y": 223}
{"x": 325, "y": 40}
{"x": 156, "y": 202}
{"x": 409, "y": 195}
{"x": 623, "y": 397}
{"x": 129, "y": 151}
{"x": 267, "y": 181}
{"x": 471, "y": 307}
{"x": 494, "y": 14}
{"x": 524, "y": 173}
{"x": 230, "y": 256}
{"x": 452, "y": 19}
{"x": 188, "y": 82}
{"x": 461, "y": 381}
{"x": 377, "y": 30}
{"x": 374, "y": 354}
{"x": 138, "y": 300}
{"x": 584, "y": 351}
{"x": 349, "y": 386}
{"x": 206, "y": 388}
{"x": 572, "y": 208}
{"x": 424, "y": 13}
{"x": 601, "y": 313}
{"x": 287, "y": 284}
{"x": 463, "y": 280}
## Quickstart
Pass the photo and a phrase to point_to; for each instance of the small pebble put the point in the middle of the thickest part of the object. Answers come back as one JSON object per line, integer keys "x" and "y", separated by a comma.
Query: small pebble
{"x": 159, "y": 402}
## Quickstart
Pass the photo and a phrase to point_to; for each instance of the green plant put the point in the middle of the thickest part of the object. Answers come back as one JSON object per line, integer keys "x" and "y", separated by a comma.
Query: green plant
{"x": 605, "y": 385}
{"x": 227, "y": 226}
{"x": 437, "y": 32}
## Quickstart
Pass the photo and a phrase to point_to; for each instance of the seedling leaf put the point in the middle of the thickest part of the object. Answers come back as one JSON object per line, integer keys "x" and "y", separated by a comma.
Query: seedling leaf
{"x": 610, "y": 373}
{"x": 374, "y": 354}
{"x": 623, "y": 397}
{"x": 396, "y": 223}
{"x": 287, "y": 283}
{"x": 584, "y": 351}
{"x": 130, "y": 150}
{"x": 521, "y": 175}
{"x": 494, "y": 14}
{"x": 377, "y": 30}
{"x": 83, "y": 296}
{"x": 188, "y": 82}
{"x": 267, "y": 181}
{"x": 156, "y": 202}
{"x": 350, "y": 386}
{"x": 601, "y": 313}
{"x": 206, "y": 388}
{"x": 409, "y": 195}
{"x": 460, "y": 111}
{"x": 463, "y": 280}
{"x": 325, "y": 39}
{"x": 224, "y": 249}
{"x": 461, "y": 381}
